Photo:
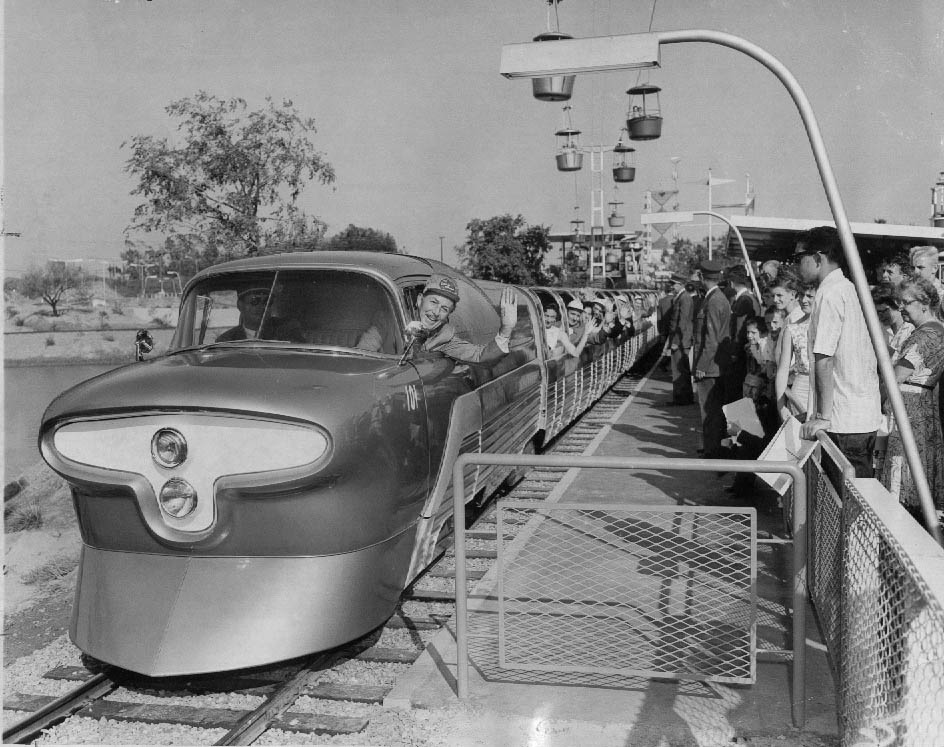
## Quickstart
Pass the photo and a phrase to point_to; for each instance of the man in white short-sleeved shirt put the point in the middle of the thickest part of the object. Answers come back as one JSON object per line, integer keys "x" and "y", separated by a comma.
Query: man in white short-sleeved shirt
{"x": 844, "y": 385}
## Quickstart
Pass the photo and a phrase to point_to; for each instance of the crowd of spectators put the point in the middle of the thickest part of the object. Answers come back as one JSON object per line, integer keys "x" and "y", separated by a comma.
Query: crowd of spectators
{"x": 803, "y": 350}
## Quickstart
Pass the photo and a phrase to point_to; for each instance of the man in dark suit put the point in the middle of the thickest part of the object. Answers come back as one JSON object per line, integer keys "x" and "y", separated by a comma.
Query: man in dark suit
{"x": 681, "y": 320}
{"x": 664, "y": 321}
{"x": 743, "y": 306}
{"x": 712, "y": 356}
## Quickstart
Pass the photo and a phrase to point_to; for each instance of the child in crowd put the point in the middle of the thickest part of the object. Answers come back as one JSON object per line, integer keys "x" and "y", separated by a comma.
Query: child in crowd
{"x": 774, "y": 318}
{"x": 758, "y": 386}
{"x": 761, "y": 360}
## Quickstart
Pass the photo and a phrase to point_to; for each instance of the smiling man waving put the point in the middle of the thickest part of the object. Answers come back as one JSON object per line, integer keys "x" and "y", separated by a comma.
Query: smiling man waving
{"x": 433, "y": 331}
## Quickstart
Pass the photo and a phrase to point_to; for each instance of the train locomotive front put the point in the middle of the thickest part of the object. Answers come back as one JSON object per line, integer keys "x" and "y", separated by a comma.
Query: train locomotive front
{"x": 254, "y": 494}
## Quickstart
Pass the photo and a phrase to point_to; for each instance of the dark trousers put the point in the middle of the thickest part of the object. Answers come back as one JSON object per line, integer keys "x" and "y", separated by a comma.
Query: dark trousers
{"x": 681, "y": 378}
{"x": 858, "y": 448}
{"x": 713, "y": 424}
{"x": 734, "y": 380}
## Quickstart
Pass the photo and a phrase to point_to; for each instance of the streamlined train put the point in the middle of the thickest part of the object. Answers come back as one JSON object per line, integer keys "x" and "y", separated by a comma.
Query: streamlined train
{"x": 267, "y": 487}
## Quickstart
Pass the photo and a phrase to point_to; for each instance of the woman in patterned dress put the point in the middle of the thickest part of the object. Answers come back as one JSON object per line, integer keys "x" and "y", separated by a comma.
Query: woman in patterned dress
{"x": 792, "y": 384}
{"x": 918, "y": 370}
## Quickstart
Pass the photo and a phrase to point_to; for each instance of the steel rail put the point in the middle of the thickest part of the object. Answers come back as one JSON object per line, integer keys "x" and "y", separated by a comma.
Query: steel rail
{"x": 60, "y": 709}
{"x": 251, "y": 726}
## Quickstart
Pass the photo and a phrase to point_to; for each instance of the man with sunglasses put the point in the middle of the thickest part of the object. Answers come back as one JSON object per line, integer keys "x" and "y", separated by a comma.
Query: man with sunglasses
{"x": 252, "y": 304}
{"x": 844, "y": 386}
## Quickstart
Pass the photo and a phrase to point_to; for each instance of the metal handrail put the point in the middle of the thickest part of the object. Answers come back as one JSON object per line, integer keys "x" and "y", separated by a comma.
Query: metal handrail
{"x": 652, "y": 463}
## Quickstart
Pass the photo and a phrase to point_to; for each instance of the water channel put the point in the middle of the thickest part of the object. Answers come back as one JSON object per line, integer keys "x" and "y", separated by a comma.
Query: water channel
{"x": 27, "y": 392}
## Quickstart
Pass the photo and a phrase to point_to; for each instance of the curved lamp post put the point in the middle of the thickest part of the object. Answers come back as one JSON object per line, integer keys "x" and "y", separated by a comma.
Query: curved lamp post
{"x": 599, "y": 54}
{"x": 604, "y": 53}
{"x": 687, "y": 217}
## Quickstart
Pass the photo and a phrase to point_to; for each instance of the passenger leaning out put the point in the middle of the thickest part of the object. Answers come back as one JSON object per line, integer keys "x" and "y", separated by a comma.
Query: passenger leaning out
{"x": 557, "y": 340}
{"x": 432, "y": 331}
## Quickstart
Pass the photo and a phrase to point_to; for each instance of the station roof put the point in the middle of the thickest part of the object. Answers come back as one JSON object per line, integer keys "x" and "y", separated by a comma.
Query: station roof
{"x": 774, "y": 238}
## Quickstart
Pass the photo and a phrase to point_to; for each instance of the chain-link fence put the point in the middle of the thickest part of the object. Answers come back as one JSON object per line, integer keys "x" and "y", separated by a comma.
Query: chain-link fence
{"x": 650, "y": 591}
{"x": 880, "y": 610}
{"x": 876, "y": 583}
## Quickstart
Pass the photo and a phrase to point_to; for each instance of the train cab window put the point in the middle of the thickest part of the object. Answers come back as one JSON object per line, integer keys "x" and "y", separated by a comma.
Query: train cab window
{"x": 325, "y": 308}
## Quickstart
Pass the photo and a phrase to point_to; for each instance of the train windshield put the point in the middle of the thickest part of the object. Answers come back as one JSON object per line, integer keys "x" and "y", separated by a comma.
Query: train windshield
{"x": 322, "y": 308}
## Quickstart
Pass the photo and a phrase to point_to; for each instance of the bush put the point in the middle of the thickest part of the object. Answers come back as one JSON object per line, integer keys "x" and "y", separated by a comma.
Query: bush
{"x": 160, "y": 322}
{"x": 50, "y": 341}
{"x": 19, "y": 321}
{"x": 117, "y": 308}
{"x": 52, "y": 570}
{"x": 108, "y": 338}
{"x": 27, "y": 516}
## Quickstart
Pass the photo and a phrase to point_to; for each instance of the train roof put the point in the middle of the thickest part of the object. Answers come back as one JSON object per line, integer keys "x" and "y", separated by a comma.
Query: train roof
{"x": 393, "y": 265}
{"x": 775, "y": 238}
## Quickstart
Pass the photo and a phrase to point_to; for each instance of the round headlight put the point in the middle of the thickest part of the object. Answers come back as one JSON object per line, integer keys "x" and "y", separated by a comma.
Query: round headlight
{"x": 178, "y": 498}
{"x": 169, "y": 447}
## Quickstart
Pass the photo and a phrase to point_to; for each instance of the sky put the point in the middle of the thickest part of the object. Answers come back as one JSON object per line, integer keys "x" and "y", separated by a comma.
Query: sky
{"x": 425, "y": 135}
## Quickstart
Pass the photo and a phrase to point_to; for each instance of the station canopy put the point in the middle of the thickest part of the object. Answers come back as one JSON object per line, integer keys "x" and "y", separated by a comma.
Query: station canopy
{"x": 775, "y": 238}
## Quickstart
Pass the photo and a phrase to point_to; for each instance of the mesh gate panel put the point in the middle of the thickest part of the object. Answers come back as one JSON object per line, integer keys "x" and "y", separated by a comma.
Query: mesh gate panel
{"x": 892, "y": 649}
{"x": 606, "y": 588}
{"x": 825, "y": 551}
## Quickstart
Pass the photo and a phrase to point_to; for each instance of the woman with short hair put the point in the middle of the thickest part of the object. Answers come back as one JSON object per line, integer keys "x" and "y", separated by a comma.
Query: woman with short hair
{"x": 792, "y": 383}
{"x": 918, "y": 370}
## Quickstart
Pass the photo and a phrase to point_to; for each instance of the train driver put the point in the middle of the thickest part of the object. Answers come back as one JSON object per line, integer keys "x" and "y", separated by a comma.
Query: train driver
{"x": 251, "y": 303}
{"x": 434, "y": 333}
{"x": 255, "y": 311}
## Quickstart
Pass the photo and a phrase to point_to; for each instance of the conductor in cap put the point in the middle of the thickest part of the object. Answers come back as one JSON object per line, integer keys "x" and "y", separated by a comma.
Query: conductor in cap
{"x": 711, "y": 358}
{"x": 256, "y": 320}
{"x": 251, "y": 303}
{"x": 431, "y": 331}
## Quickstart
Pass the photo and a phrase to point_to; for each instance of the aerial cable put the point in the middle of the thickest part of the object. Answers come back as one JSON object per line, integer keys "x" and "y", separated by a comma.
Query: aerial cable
{"x": 652, "y": 16}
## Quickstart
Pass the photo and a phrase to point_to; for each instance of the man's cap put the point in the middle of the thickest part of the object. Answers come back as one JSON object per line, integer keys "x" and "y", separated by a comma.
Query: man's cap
{"x": 443, "y": 285}
{"x": 575, "y": 305}
{"x": 252, "y": 289}
{"x": 711, "y": 269}
{"x": 737, "y": 274}
{"x": 677, "y": 278}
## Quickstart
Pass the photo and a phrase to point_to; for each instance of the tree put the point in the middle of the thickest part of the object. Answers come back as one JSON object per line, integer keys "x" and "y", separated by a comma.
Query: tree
{"x": 355, "y": 238}
{"x": 505, "y": 248}
{"x": 51, "y": 282}
{"x": 231, "y": 187}
{"x": 687, "y": 256}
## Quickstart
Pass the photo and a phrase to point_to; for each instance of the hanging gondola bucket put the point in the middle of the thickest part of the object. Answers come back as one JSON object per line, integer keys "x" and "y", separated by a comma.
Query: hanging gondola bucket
{"x": 616, "y": 221}
{"x": 553, "y": 87}
{"x": 569, "y": 160}
{"x": 646, "y": 127}
{"x": 624, "y": 173}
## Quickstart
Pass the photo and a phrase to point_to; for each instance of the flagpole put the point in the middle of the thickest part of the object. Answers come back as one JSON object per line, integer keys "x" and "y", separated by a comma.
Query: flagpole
{"x": 710, "y": 243}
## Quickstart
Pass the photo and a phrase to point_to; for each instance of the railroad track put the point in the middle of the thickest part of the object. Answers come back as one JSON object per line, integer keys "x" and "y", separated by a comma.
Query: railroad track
{"x": 320, "y": 695}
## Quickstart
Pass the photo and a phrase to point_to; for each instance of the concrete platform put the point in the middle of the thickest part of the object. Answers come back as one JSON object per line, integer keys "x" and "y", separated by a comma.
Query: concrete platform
{"x": 567, "y": 708}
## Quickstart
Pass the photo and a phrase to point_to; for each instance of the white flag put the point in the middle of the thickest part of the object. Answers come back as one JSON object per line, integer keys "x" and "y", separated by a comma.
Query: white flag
{"x": 713, "y": 182}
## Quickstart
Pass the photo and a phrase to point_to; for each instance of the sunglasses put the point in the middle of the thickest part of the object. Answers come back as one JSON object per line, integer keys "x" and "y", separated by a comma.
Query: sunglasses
{"x": 256, "y": 299}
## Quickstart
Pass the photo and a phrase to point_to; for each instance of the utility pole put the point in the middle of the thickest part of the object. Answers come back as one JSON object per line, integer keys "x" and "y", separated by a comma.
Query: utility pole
{"x": 441, "y": 248}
